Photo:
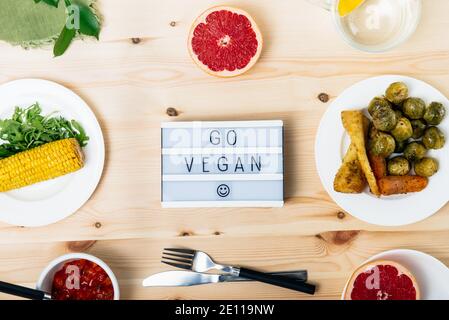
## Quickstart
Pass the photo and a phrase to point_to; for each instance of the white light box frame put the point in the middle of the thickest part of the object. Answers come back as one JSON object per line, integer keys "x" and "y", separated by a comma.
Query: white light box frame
{"x": 222, "y": 164}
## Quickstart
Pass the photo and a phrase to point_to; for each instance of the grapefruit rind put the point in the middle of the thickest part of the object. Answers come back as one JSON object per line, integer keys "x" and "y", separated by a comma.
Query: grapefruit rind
{"x": 368, "y": 266}
{"x": 225, "y": 73}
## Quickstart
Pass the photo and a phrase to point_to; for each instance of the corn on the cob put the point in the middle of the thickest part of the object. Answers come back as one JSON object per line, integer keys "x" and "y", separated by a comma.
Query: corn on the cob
{"x": 45, "y": 162}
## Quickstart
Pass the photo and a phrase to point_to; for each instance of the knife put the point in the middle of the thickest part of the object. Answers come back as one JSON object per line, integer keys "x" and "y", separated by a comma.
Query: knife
{"x": 190, "y": 278}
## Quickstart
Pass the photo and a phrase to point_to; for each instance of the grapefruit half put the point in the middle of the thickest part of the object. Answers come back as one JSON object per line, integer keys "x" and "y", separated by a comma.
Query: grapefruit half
{"x": 225, "y": 41}
{"x": 382, "y": 280}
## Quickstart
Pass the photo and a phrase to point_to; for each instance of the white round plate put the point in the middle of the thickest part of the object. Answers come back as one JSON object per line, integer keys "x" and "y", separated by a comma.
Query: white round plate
{"x": 50, "y": 201}
{"x": 430, "y": 273}
{"x": 332, "y": 142}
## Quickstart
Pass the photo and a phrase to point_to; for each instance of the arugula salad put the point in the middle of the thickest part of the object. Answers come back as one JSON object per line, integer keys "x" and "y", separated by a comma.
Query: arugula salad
{"x": 28, "y": 128}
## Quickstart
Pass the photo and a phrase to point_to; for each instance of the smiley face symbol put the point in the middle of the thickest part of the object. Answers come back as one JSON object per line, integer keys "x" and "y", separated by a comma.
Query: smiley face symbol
{"x": 223, "y": 190}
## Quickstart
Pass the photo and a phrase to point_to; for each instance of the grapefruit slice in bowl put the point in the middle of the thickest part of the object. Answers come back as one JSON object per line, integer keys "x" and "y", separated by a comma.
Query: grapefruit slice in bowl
{"x": 382, "y": 280}
{"x": 225, "y": 41}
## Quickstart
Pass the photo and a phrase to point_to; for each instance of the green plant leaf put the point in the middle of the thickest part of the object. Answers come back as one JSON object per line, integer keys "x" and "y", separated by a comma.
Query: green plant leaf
{"x": 53, "y": 3}
{"x": 89, "y": 24}
{"x": 64, "y": 41}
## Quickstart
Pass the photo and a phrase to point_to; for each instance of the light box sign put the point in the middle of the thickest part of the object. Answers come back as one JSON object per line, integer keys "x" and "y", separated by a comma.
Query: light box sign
{"x": 222, "y": 164}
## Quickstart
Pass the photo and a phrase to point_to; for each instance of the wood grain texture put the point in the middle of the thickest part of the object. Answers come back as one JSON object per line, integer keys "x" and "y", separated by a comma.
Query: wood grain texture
{"x": 130, "y": 86}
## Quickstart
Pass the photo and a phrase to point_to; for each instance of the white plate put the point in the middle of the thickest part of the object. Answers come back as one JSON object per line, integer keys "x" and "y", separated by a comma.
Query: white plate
{"x": 332, "y": 142}
{"x": 50, "y": 201}
{"x": 430, "y": 273}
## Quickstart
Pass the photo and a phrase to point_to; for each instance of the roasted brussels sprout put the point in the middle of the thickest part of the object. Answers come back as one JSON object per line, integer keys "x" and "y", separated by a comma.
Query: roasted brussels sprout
{"x": 435, "y": 113}
{"x": 419, "y": 127}
{"x": 415, "y": 151}
{"x": 414, "y": 108}
{"x": 433, "y": 138}
{"x": 400, "y": 146}
{"x": 384, "y": 118}
{"x": 426, "y": 167}
{"x": 403, "y": 130}
{"x": 398, "y": 166}
{"x": 382, "y": 144}
{"x": 397, "y": 92}
{"x": 376, "y": 103}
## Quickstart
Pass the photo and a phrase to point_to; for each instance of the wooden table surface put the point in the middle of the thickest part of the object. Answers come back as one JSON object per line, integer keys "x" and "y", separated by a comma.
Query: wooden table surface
{"x": 130, "y": 84}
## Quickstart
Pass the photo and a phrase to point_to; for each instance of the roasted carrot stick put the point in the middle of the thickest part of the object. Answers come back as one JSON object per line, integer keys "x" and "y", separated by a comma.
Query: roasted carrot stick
{"x": 402, "y": 184}
{"x": 379, "y": 166}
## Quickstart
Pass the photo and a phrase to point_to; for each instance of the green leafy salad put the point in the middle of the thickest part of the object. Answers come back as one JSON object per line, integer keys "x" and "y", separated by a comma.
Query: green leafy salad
{"x": 28, "y": 128}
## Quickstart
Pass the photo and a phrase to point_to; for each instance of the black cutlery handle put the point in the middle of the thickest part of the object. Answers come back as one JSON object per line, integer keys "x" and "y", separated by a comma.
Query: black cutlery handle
{"x": 23, "y": 292}
{"x": 279, "y": 281}
{"x": 292, "y": 275}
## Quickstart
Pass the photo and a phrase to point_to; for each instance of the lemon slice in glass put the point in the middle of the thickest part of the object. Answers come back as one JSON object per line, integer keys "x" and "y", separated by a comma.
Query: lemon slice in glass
{"x": 345, "y": 7}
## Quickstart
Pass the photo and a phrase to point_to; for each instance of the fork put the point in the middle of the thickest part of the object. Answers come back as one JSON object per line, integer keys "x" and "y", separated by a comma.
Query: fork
{"x": 199, "y": 261}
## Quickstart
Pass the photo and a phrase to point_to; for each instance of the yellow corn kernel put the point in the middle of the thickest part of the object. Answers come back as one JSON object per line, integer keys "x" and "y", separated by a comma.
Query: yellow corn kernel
{"x": 43, "y": 163}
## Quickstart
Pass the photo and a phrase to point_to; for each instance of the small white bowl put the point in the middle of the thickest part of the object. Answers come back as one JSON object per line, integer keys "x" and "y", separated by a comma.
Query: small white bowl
{"x": 46, "y": 278}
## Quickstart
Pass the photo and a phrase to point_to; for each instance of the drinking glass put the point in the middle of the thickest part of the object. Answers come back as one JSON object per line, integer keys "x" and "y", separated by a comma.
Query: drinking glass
{"x": 376, "y": 25}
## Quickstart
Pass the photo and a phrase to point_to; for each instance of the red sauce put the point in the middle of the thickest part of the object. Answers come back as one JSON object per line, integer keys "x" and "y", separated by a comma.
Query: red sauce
{"x": 82, "y": 280}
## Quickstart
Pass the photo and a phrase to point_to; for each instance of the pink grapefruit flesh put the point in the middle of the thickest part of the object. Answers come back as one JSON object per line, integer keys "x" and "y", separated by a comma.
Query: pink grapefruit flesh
{"x": 382, "y": 280}
{"x": 225, "y": 41}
